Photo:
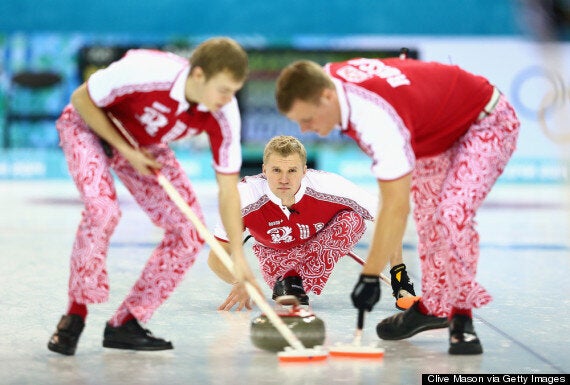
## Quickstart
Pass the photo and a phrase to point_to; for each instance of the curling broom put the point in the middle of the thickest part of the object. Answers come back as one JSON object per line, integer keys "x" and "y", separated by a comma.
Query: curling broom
{"x": 356, "y": 349}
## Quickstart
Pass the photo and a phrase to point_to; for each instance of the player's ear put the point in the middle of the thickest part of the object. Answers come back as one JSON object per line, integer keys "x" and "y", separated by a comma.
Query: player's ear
{"x": 263, "y": 168}
{"x": 328, "y": 94}
{"x": 197, "y": 73}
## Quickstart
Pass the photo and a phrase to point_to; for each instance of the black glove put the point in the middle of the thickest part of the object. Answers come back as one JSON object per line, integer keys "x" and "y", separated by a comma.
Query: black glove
{"x": 400, "y": 281}
{"x": 366, "y": 293}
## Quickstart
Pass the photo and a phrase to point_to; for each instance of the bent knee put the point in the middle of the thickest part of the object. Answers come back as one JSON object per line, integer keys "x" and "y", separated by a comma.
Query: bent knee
{"x": 348, "y": 217}
{"x": 103, "y": 214}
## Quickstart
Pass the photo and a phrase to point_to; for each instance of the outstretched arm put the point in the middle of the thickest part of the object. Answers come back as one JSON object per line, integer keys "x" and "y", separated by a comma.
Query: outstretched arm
{"x": 218, "y": 267}
{"x": 386, "y": 242}
{"x": 230, "y": 213}
{"x": 238, "y": 295}
{"x": 390, "y": 224}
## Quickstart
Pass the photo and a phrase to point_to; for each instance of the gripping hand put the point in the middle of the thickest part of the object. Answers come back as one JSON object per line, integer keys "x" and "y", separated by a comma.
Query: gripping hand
{"x": 366, "y": 292}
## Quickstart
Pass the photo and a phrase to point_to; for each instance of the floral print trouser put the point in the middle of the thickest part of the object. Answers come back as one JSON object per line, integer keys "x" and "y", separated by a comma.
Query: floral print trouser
{"x": 90, "y": 169}
{"x": 447, "y": 190}
{"x": 314, "y": 260}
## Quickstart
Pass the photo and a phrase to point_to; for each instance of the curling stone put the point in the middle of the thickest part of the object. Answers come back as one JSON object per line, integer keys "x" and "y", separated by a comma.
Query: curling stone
{"x": 306, "y": 326}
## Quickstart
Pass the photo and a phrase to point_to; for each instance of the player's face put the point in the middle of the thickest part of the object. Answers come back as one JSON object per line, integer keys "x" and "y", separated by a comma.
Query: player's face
{"x": 320, "y": 117}
{"x": 217, "y": 91}
{"x": 284, "y": 175}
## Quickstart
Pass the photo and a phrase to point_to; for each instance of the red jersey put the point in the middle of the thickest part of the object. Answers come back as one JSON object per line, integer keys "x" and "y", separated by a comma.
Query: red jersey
{"x": 145, "y": 90}
{"x": 399, "y": 110}
{"x": 322, "y": 196}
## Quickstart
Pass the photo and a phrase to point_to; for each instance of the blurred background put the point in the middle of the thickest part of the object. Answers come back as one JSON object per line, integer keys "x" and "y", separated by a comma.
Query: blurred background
{"x": 47, "y": 48}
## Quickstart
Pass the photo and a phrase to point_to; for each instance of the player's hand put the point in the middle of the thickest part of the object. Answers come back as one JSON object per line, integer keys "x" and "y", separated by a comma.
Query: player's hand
{"x": 142, "y": 161}
{"x": 366, "y": 292}
{"x": 238, "y": 296}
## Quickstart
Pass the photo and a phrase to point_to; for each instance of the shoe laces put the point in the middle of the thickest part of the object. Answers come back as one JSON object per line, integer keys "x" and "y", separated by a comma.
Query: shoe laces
{"x": 141, "y": 329}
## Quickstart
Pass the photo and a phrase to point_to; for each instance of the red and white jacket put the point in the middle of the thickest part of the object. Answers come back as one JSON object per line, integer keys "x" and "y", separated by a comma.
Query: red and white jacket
{"x": 400, "y": 110}
{"x": 321, "y": 196}
{"x": 145, "y": 90}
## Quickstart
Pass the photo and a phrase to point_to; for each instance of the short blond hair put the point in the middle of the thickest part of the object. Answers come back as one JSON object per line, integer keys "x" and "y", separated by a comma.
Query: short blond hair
{"x": 221, "y": 54}
{"x": 302, "y": 80}
{"x": 284, "y": 145}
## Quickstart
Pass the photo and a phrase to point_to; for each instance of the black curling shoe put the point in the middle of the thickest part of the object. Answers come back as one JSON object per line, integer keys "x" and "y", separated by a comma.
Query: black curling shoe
{"x": 133, "y": 336}
{"x": 291, "y": 286}
{"x": 65, "y": 338}
{"x": 408, "y": 323}
{"x": 462, "y": 337}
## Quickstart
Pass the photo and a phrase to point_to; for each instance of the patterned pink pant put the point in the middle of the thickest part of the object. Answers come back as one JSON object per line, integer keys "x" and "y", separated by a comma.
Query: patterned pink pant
{"x": 314, "y": 260}
{"x": 90, "y": 169}
{"x": 447, "y": 190}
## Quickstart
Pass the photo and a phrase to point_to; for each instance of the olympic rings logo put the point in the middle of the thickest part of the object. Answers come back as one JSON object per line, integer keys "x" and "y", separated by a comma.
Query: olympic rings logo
{"x": 542, "y": 94}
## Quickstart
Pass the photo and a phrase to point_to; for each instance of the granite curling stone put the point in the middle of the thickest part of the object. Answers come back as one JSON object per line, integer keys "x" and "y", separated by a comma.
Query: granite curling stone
{"x": 306, "y": 326}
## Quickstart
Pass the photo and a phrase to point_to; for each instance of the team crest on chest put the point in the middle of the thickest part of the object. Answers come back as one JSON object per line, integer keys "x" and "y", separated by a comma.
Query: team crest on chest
{"x": 281, "y": 234}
